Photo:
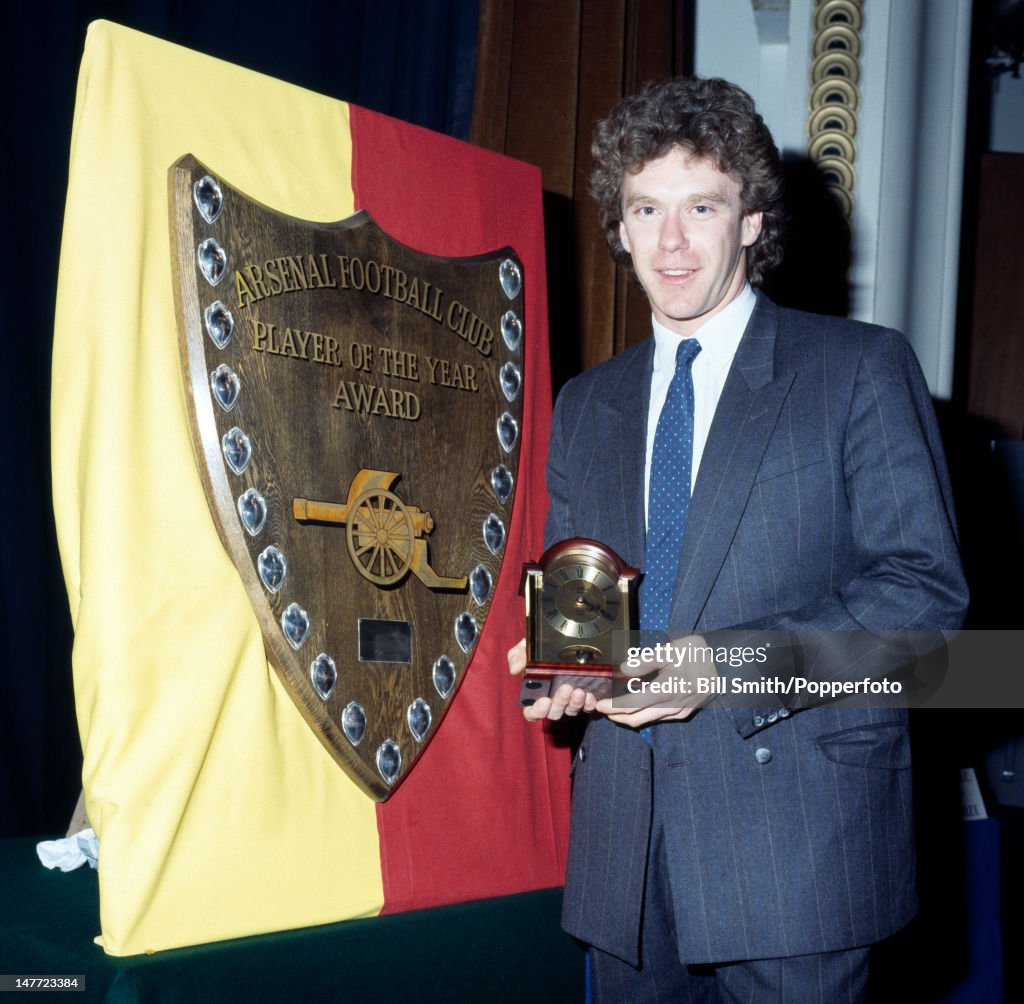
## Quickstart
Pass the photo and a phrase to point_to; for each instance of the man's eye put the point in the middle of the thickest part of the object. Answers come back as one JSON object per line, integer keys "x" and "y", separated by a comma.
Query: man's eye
{"x": 645, "y": 210}
{"x": 702, "y": 210}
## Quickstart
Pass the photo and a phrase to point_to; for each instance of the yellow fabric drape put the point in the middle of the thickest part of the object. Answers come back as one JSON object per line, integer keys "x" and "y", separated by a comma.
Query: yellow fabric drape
{"x": 203, "y": 782}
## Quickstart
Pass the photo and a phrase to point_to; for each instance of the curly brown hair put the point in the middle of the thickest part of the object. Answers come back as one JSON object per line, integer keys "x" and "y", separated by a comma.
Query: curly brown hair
{"x": 714, "y": 119}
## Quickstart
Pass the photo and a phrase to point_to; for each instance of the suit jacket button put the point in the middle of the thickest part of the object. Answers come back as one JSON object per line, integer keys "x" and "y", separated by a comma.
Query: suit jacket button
{"x": 773, "y": 718}
{"x": 758, "y": 721}
{"x": 783, "y": 712}
{"x": 763, "y": 755}
{"x": 582, "y": 753}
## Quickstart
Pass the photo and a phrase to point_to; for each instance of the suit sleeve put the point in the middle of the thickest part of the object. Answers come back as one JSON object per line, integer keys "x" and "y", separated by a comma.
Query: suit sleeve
{"x": 908, "y": 584}
{"x": 559, "y": 522}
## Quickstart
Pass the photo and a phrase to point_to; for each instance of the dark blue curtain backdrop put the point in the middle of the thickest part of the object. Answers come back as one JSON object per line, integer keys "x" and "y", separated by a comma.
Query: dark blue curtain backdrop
{"x": 413, "y": 60}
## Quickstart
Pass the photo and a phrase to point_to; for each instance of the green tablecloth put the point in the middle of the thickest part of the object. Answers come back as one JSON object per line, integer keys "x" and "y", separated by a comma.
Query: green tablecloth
{"x": 507, "y": 949}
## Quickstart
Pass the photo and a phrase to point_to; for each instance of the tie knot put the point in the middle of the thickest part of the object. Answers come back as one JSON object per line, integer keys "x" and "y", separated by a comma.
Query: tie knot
{"x": 687, "y": 352}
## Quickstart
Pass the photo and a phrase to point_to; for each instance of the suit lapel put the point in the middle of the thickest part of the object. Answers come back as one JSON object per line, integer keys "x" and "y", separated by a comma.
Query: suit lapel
{"x": 626, "y": 441}
{"x": 743, "y": 425}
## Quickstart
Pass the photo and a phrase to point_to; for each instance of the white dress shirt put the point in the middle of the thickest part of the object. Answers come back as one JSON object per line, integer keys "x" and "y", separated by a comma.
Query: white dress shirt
{"x": 719, "y": 339}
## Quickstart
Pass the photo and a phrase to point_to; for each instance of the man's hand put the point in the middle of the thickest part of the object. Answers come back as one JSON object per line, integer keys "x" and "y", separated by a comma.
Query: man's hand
{"x": 566, "y": 700}
{"x": 669, "y": 692}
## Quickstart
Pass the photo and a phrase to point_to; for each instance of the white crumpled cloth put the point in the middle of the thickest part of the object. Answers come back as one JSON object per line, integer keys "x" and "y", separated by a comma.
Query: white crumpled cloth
{"x": 70, "y": 852}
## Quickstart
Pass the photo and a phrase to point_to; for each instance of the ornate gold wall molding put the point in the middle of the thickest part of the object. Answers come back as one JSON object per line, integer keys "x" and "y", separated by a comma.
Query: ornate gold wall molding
{"x": 834, "y": 102}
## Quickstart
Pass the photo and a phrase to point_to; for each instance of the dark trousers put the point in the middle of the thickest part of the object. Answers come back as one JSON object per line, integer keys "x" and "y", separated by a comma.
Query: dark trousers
{"x": 827, "y": 978}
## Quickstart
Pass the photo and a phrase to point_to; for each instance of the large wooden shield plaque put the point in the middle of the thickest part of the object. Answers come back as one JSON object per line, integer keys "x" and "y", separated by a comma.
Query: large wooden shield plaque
{"x": 355, "y": 408}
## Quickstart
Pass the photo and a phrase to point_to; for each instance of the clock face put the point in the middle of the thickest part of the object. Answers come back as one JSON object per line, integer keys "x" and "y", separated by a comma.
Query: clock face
{"x": 579, "y": 599}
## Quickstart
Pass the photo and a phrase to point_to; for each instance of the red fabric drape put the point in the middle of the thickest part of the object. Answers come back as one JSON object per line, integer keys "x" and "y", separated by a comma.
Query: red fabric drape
{"x": 485, "y": 812}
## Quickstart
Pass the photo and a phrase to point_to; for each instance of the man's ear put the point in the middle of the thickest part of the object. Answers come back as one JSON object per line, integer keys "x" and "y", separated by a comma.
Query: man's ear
{"x": 624, "y": 237}
{"x": 751, "y": 228}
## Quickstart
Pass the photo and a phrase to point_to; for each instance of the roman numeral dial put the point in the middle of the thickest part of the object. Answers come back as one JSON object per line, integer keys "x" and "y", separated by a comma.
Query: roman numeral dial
{"x": 579, "y": 600}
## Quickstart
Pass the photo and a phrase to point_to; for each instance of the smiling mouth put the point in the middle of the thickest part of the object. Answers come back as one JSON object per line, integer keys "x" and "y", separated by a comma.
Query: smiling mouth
{"x": 676, "y": 273}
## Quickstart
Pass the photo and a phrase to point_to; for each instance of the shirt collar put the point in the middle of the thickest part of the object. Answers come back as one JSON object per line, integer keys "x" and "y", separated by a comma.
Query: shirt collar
{"x": 719, "y": 337}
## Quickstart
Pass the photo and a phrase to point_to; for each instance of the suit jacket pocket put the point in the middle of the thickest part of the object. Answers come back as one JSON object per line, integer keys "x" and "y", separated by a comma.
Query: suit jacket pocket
{"x": 886, "y": 745}
{"x": 776, "y": 464}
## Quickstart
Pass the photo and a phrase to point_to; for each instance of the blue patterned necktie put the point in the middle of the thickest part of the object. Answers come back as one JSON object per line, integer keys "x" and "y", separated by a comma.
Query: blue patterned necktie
{"x": 668, "y": 500}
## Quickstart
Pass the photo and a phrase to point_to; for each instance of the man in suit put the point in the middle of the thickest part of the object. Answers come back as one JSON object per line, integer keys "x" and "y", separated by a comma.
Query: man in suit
{"x": 724, "y": 851}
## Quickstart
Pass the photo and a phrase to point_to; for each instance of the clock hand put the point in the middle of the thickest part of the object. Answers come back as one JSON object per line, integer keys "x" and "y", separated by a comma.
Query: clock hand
{"x": 582, "y": 601}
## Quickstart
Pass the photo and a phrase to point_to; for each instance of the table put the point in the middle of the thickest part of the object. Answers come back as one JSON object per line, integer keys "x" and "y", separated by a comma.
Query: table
{"x": 505, "y": 949}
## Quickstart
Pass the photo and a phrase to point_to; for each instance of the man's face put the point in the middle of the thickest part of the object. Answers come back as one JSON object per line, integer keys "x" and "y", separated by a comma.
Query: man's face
{"x": 685, "y": 229}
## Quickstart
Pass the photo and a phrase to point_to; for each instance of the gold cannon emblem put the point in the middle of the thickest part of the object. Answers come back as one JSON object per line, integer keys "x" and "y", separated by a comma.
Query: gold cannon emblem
{"x": 385, "y": 537}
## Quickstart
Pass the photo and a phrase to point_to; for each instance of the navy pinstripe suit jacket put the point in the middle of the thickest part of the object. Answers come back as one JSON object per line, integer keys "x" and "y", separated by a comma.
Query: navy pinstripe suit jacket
{"x": 822, "y": 501}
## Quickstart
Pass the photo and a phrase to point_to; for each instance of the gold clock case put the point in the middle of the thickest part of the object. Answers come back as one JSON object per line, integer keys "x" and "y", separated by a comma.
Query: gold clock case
{"x": 579, "y": 596}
